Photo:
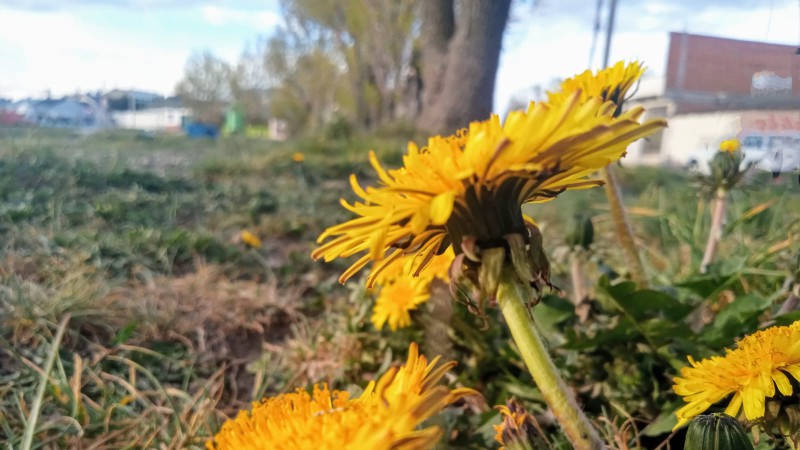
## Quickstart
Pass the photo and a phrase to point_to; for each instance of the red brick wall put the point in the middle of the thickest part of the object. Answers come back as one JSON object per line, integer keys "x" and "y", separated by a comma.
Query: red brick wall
{"x": 712, "y": 64}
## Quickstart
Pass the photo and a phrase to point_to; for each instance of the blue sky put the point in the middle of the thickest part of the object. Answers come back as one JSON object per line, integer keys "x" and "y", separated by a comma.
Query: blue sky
{"x": 72, "y": 45}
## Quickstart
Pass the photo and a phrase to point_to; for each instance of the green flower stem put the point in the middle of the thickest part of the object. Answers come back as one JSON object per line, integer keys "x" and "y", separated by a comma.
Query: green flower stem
{"x": 579, "y": 294}
{"x": 44, "y": 377}
{"x": 715, "y": 233}
{"x": 623, "y": 229}
{"x": 512, "y": 295}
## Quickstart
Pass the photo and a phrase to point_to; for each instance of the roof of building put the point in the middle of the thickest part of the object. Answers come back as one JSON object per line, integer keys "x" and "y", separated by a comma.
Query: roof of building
{"x": 132, "y": 93}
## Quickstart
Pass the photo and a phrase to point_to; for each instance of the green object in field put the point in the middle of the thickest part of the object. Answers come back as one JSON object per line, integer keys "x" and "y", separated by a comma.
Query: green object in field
{"x": 580, "y": 231}
{"x": 234, "y": 122}
{"x": 716, "y": 432}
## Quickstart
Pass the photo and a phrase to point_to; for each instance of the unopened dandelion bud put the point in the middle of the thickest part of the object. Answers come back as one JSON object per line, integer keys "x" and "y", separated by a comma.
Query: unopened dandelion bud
{"x": 723, "y": 165}
{"x": 716, "y": 432}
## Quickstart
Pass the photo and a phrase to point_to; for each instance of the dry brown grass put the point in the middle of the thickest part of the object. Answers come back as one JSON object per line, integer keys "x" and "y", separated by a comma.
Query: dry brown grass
{"x": 115, "y": 395}
{"x": 208, "y": 311}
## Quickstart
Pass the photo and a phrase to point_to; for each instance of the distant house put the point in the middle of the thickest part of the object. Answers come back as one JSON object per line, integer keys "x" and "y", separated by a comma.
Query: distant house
{"x": 79, "y": 111}
{"x": 715, "y": 89}
{"x": 33, "y": 110}
{"x": 162, "y": 114}
{"x": 129, "y": 99}
{"x": 152, "y": 119}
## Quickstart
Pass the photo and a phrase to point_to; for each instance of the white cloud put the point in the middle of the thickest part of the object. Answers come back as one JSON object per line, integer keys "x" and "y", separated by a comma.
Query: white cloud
{"x": 72, "y": 55}
{"x": 258, "y": 20}
{"x": 62, "y": 52}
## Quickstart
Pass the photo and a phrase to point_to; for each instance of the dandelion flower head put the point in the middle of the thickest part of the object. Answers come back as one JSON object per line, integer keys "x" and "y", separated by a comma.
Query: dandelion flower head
{"x": 250, "y": 239}
{"x": 468, "y": 188}
{"x": 730, "y": 145}
{"x": 399, "y": 292}
{"x": 761, "y": 366}
{"x": 386, "y": 416}
{"x": 609, "y": 84}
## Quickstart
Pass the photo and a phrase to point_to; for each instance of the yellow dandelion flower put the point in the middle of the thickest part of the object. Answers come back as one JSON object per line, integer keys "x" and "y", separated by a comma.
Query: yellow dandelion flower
{"x": 439, "y": 267}
{"x": 609, "y": 84}
{"x": 386, "y": 415}
{"x": 400, "y": 292}
{"x": 729, "y": 145}
{"x": 397, "y": 298}
{"x": 751, "y": 372}
{"x": 468, "y": 189}
{"x": 250, "y": 239}
{"x": 517, "y": 426}
{"x": 298, "y": 157}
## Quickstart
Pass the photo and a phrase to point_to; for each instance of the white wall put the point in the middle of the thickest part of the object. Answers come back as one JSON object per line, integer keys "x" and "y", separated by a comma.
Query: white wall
{"x": 151, "y": 119}
{"x": 697, "y": 137}
{"x": 689, "y": 137}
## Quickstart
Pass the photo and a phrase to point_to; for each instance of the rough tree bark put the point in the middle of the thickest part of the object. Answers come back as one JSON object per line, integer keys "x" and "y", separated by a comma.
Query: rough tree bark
{"x": 460, "y": 53}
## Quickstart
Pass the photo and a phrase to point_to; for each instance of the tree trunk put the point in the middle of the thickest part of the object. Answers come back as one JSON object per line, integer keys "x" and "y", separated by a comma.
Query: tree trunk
{"x": 460, "y": 54}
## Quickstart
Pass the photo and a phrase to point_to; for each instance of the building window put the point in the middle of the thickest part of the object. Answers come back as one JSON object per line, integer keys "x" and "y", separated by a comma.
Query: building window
{"x": 755, "y": 142}
{"x": 652, "y": 143}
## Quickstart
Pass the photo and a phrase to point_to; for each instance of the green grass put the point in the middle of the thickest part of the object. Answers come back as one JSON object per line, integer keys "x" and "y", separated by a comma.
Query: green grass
{"x": 175, "y": 324}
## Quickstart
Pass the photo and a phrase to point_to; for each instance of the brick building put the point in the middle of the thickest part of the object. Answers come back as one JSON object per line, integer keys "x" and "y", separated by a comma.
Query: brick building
{"x": 705, "y": 64}
{"x": 717, "y": 88}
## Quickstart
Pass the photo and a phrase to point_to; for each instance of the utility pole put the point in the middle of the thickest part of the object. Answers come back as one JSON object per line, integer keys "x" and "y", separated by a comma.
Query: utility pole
{"x": 621, "y": 223}
{"x": 612, "y": 12}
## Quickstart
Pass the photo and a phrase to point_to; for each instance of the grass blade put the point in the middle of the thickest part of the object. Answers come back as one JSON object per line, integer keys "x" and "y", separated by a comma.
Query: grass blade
{"x": 27, "y": 438}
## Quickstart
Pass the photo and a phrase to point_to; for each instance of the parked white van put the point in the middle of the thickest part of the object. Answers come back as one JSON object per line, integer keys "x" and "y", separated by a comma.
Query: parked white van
{"x": 776, "y": 153}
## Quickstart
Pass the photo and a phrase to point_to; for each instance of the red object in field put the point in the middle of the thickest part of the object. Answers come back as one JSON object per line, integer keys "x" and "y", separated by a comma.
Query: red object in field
{"x": 11, "y": 118}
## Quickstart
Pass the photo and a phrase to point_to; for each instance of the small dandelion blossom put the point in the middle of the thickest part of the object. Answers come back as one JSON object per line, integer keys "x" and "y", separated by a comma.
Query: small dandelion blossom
{"x": 761, "y": 367}
{"x": 399, "y": 292}
{"x": 397, "y": 299}
{"x": 730, "y": 145}
{"x": 298, "y": 157}
{"x": 250, "y": 239}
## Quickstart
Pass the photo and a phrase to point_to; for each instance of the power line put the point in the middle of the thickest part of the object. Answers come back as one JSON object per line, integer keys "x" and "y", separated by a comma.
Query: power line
{"x": 769, "y": 19}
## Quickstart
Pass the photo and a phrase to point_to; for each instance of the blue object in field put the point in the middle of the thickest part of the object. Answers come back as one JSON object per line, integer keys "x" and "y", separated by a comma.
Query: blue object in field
{"x": 201, "y": 130}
